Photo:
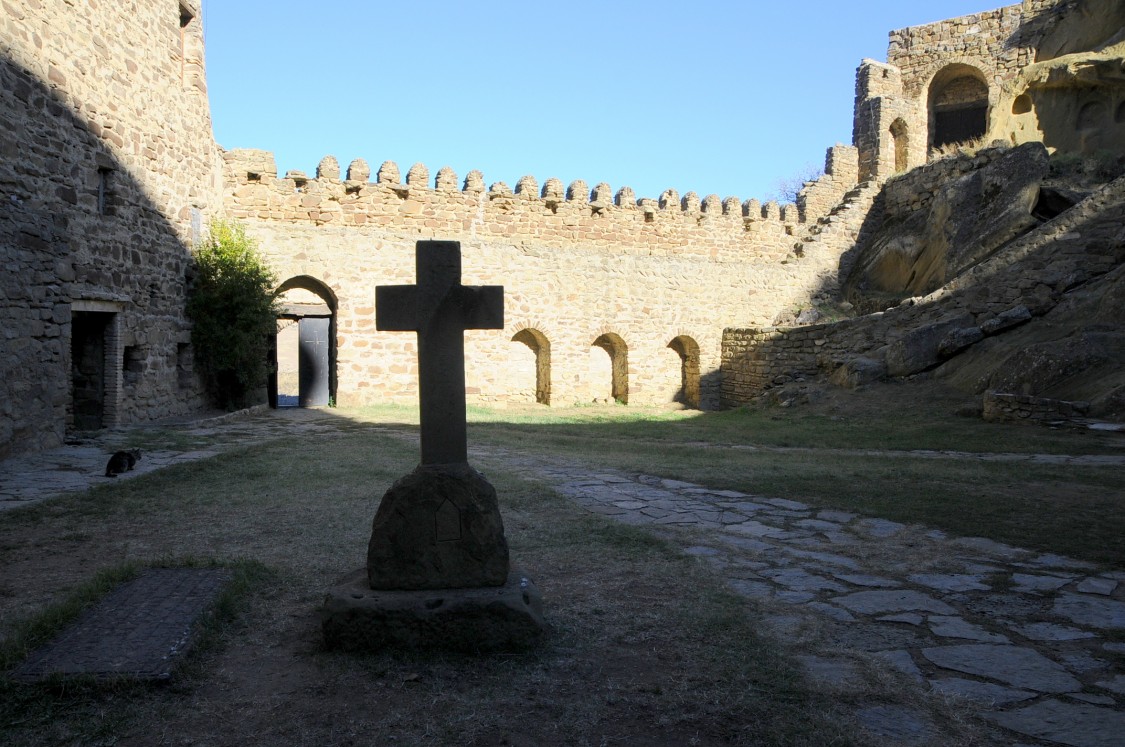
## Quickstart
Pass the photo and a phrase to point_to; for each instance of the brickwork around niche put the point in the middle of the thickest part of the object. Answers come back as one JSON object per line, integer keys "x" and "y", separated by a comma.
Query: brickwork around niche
{"x": 576, "y": 263}
{"x": 107, "y": 153}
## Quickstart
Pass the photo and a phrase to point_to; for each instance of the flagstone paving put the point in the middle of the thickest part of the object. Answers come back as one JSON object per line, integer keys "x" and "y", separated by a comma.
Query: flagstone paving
{"x": 1033, "y": 641}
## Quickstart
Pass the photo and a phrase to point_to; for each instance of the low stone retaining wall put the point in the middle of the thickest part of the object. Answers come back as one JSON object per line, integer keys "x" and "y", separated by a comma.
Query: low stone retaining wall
{"x": 1022, "y": 408}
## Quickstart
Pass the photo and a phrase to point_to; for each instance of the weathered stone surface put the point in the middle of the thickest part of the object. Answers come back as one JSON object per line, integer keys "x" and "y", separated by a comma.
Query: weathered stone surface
{"x": 438, "y": 528}
{"x": 355, "y": 617}
{"x": 858, "y": 371}
{"x": 1027, "y": 582}
{"x": 1074, "y": 724}
{"x": 1094, "y": 612}
{"x": 957, "y": 627}
{"x": 918, "y": 349}
{"x": 1017, "y": 666}
{"x": 1043, "y": 631}
{"x": 916, "y": 252}
{"x": 984, "y": 692}
{"x": 899, "y": 600}
{"x": 1006, "y": 319}
{"x": 879, "y": 527}
{"x": 1102, "y": 586}
{"x": 951, "y": 581}
{"x": 958, "y": 340}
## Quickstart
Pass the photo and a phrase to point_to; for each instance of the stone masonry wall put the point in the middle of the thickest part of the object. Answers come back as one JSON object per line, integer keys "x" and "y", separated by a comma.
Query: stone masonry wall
{"x": 108, "y": 168}
{"x": 576, "y": 264}
{"x": 893, "y": 126}
{"x": 1022, "y": 408}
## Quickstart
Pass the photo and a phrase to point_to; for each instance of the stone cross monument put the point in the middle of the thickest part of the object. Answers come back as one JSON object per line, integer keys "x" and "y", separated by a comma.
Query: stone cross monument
{"x": 437, "y": 570}
{"x": 439, "y": 309}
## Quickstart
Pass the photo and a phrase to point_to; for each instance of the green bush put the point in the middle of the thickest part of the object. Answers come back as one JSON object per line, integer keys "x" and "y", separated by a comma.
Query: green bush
{"x": 233, "y": 309}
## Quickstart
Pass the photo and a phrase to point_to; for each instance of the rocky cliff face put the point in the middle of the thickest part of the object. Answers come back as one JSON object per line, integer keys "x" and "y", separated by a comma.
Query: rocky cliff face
{"x": 918, "y": 248}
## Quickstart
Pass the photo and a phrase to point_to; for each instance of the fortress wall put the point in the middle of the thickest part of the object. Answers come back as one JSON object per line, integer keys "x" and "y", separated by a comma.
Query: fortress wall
{"x": 988, "y": 40}
{"x": 107, "y": 155}
{"x": 893, "y": 117}
{"x": 576, "y": 264}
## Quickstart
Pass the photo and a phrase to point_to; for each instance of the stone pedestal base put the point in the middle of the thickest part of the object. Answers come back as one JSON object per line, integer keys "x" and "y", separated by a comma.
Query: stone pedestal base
{"x": 356, "y": 617}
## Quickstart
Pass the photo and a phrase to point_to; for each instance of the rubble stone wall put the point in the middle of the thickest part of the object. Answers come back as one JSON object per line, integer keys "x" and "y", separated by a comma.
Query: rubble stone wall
{"x": 108, "y": 164}
{"x": 577, "y": 263}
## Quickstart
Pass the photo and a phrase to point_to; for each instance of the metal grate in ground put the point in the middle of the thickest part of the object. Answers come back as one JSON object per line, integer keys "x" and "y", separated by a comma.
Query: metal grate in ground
{"x": 140, "y": 630}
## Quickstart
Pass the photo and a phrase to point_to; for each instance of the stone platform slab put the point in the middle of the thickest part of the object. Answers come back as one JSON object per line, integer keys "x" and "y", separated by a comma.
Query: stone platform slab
{"x": 356, "y": 617}
{"x": 140, "y": 630}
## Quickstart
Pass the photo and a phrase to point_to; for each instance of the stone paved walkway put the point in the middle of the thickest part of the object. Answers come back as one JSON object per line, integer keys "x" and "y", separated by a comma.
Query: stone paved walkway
{"x": 1035, "y": 642}
{"x": 1029, "y": 638}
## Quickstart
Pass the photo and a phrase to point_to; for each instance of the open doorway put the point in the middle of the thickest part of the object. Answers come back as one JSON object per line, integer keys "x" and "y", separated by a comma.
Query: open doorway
{"x": 306, "y": 344}
{"x": 94, "y": 369}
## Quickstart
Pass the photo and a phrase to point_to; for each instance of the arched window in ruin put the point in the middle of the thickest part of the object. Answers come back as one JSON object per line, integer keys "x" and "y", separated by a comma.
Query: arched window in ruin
{"x": 958, "y": 105}
{"x": 900, "y": 136}
{"x": 688, "y": 350}
{"x": 613, "y": 365}
{"x": 538, "y": 363}
{"x": 306, "y": 344}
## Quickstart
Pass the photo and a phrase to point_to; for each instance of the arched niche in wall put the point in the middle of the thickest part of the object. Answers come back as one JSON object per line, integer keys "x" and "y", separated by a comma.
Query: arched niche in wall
{"x": 688, "y": 351}
{"x": 617, "y": 368}
{"x": 306, "y": 344}
{"x": 958, "y": 105}
{"x": 900, "y": 136}
{"x": 539, "y": 347}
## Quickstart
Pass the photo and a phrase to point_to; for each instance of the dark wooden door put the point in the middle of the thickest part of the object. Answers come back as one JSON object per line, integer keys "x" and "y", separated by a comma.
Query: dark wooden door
{"x": 312, "y": 366}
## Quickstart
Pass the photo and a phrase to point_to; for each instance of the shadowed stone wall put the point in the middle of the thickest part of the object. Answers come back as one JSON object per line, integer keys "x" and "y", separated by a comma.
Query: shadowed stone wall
{"x": 108, "y": 167}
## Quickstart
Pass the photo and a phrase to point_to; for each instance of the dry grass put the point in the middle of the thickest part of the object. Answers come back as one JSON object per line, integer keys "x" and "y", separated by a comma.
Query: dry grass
{"x": 646, "y": 647}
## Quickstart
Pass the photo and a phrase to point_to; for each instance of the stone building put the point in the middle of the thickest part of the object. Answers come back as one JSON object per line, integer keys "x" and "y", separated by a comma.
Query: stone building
{"x": 110, "y": 173}
{"x": 1044, "y": 70}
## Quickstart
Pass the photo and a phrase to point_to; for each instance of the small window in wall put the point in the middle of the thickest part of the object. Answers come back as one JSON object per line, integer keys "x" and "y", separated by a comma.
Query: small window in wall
{"x": 900, "y": 136}
{"x": 132, "y": 365}
{"x": 185, "y": 368}
{"x": 105, "y": 191}
{"x": 187, "y": 19}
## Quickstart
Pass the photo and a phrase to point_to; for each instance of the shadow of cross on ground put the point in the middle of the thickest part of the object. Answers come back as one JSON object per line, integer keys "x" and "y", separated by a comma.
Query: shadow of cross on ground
{"x": 440, "y": 309}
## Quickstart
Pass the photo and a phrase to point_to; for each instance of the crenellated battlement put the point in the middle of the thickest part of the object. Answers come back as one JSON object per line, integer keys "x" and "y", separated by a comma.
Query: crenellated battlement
{"x": 551, "y": 213}
{"x": 257, "y": 167}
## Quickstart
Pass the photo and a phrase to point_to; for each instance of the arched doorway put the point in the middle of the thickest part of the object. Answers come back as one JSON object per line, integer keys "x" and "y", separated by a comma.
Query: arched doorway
{"x": 615, "y": 363}
{"x": 540, "y": 349}
{"x": 958, "y": 105}
{"x": 900, "y": 135}
{"x": 688, "y": 350}
{"x": 306, "y": 344}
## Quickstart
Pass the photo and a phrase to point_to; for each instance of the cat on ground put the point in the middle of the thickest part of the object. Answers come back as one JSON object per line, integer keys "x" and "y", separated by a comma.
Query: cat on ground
{"x": 122, "y": 461}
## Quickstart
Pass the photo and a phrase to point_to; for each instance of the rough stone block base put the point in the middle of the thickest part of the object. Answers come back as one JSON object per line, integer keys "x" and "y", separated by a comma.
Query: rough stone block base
{"x": 356, "y": 617}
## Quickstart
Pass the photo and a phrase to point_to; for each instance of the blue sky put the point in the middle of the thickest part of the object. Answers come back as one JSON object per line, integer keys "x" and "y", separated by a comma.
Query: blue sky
{"x": 721, "y": 97}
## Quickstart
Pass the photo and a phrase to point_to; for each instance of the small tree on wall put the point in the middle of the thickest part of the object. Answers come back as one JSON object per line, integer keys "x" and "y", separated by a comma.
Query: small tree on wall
{"x": 233, "y": 310}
